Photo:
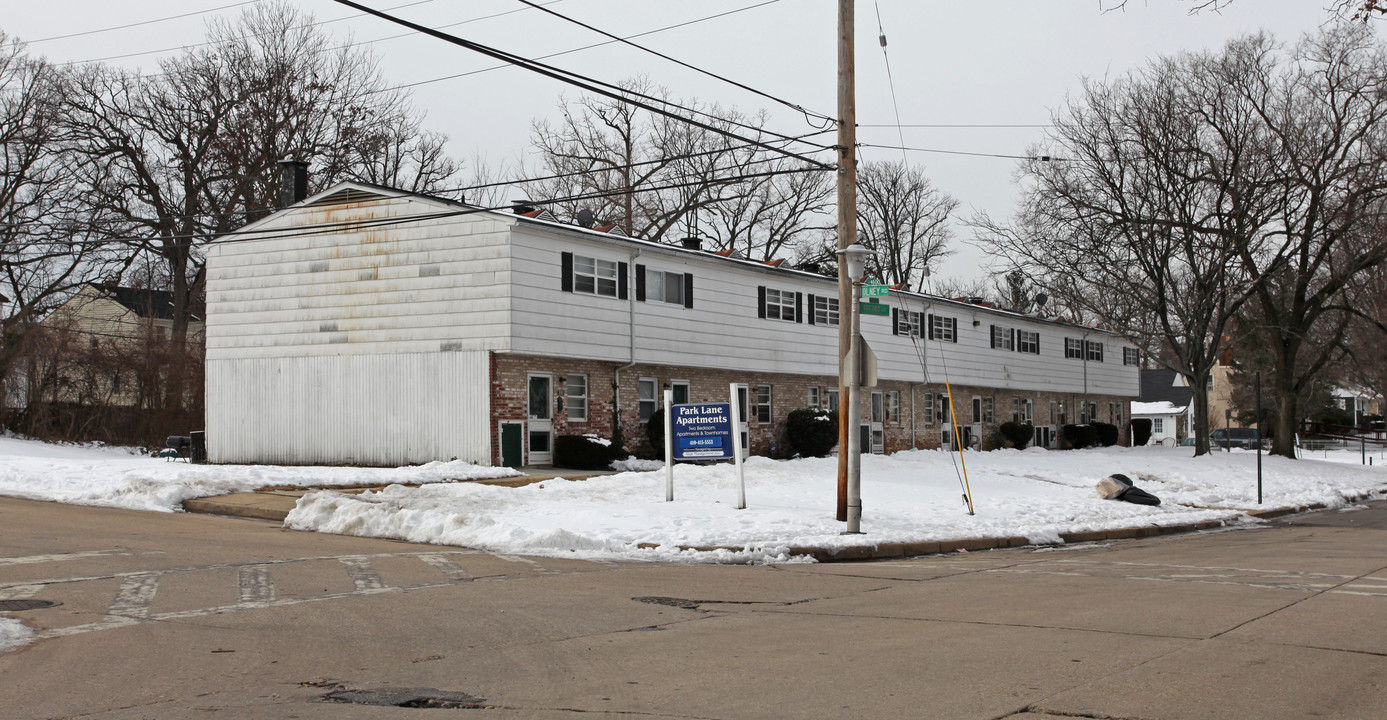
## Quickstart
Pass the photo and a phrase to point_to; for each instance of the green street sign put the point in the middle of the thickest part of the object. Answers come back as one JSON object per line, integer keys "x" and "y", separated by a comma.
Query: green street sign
{"x": 870, "y": 291}
{"x": 871, "y": 308}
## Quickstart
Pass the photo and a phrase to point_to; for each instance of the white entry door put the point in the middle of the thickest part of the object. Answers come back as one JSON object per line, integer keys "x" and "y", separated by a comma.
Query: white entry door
{"x": 540, "y": 402}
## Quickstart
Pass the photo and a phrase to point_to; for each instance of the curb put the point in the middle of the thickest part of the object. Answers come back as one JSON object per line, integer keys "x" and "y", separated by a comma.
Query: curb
{"x": 270, "y": 504}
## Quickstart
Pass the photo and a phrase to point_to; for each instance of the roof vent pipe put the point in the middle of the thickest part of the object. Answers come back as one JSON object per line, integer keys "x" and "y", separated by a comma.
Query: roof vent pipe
{"x": 293, "y": 182}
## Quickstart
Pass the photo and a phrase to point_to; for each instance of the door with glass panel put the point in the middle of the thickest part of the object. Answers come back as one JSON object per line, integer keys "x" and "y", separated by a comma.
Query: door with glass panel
{"x": 540, "y": 405}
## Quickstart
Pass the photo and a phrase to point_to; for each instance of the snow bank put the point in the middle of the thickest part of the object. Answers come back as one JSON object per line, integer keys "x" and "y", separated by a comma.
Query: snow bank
{"x": 907, "y": 497}
{"x": 118, "y": 477}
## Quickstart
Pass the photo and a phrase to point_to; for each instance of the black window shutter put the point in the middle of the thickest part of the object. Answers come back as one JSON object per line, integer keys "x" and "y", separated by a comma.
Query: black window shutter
{"x": 761, "y": 301}
{"x": 1037, "y": 344}
{"x": 994, "y": 336}
{"x": 688, "y": 290}
{"x": 895, "y": 321}
{"x": 1013, "y": 339}
{"x": 799, "y": 307}
{"x": 955, "y": 328}
{"x": 931, "y": 327}
{"x": 640, "y": 283}
{"x": 811, "y": 308}
{"x": 566, "y": 270}
{"x": 621, "y": 282}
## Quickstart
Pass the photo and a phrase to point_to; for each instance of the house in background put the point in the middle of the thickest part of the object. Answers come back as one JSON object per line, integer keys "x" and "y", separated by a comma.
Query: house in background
{"x": 98, "y": 363}
{"x": 373, "y": 326}
{"x": 1165, "y": 400}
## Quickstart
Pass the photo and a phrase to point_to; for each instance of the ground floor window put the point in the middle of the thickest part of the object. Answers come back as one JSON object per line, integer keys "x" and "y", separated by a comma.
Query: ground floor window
{"x": 1158, "y": 425}
{"x": 929, "y": 408}
{"x": 680, "y": 391}
{"x": 647, "y": 398}
{"x": 831, "y": 398}
{"x": 576, "y": 397}
{"x": 763, "y": 403}
{"x": 893, "y": 407}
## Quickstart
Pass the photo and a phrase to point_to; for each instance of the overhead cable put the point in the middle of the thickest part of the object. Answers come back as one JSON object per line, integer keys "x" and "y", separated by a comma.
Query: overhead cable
{"x": 592, "y": 85}
{"x": 681, "y": 63}
{"x": 138, "y": 24}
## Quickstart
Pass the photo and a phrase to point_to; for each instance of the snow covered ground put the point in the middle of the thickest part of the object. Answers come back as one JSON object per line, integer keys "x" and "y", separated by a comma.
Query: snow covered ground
{"x": 120, "y": 477}
{"x": 907, "y": 497}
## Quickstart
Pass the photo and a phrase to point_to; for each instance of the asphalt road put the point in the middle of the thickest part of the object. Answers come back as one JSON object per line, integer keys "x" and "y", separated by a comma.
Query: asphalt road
{"x": 185, "y": 616}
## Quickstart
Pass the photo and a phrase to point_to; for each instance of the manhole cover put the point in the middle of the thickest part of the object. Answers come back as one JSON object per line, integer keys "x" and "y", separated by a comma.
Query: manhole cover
{"x": 26, "y": 604}
{"x": 407, "y": 698}
{"x": 672, "y": 602}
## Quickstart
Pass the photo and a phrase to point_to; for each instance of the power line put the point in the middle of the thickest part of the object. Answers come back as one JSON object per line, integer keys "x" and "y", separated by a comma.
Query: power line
{"x": 142, "y": 22}
{"x": 589, "y": 84}
{"x": 681, "y": 63}
{"x": 952, "y": 125}
{"x": 890, "y": 79}
{"x": 205, "y": 44}
{"x": 1041, "y": 158}
{"x": 569, "y": 51}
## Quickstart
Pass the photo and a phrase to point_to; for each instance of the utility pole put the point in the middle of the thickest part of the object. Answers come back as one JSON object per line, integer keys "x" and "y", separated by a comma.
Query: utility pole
{"x": 847, "y": 235}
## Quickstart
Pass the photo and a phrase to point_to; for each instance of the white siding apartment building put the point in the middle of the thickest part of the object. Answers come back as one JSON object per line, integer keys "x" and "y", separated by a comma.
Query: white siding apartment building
{"x": 414, "y": 329}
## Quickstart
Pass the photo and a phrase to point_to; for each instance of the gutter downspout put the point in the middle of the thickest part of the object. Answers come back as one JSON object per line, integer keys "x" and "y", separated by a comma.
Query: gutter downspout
{"x": 631, "y": 333}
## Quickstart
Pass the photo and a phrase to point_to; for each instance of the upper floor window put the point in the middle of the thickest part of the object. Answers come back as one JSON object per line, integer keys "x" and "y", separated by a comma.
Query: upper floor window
{"x": 780, "y": 304}
{"x": 665, "y": 287}
{"x": 1028, "y": 342}
{"x": 1003, "y": 338}
{"x": 943, "y": 328}
{"x": 1074, "y": 348}
{"x": 825, "y": 310}
{"x": 1095, "y": 351}
{"x": 593, "y": 276}
{"x": 1131, "y": 356}
{"x": 910, "y": 323}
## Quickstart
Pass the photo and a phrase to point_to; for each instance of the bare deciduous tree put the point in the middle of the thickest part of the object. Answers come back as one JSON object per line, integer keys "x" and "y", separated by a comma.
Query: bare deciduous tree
{"x": 650, "y": 174}
{"x": 1139, "y": 226}
{"x": 47, "y": 243}
{"x": 903, "y": 219}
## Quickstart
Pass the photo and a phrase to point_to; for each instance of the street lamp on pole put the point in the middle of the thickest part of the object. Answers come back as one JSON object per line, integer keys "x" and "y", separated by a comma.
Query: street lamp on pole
{"x": 853, "y": 259}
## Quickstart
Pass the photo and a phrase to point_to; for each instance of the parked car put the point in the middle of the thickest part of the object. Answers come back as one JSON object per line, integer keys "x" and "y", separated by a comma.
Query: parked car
{"x": 1187, "y": 442}
{"x": 1246, "y": 438}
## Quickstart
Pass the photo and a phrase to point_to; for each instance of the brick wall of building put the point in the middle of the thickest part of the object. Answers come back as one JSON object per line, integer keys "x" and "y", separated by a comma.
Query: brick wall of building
{"x": 914, "y": 425}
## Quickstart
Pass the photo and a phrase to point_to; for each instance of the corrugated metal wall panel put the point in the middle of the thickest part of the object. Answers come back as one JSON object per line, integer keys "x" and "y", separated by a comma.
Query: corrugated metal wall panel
{"x": 375, "y": 410}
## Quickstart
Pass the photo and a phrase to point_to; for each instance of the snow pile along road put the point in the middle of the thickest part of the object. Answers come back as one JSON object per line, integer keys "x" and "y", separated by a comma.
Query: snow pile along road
{"x": 907, "y": 497}
{"x": 118, "y": 477}
{"x": 911, "y": 496}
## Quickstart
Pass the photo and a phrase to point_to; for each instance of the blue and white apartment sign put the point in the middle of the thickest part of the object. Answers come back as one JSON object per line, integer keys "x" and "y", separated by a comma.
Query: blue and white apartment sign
{"x": 702, "y": 431}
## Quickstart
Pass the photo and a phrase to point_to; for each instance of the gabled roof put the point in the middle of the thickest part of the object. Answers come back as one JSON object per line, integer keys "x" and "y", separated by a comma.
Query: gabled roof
{"x": 143, "y": 302}
{"x": 1160, "y": 386}
{"x": 357, "y": 191}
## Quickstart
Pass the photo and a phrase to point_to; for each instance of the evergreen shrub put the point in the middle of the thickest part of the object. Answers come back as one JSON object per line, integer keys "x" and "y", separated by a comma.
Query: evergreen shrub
{"x": 1019, "y": 434}
{"x": 812, "y": 432}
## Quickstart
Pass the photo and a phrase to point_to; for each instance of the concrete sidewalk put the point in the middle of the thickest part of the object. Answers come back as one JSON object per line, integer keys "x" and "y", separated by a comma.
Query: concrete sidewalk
{"x": 275, "y": 503}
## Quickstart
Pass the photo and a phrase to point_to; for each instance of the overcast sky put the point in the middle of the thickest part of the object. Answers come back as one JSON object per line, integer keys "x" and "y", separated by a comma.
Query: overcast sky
{"x": 1001, "y": 62}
